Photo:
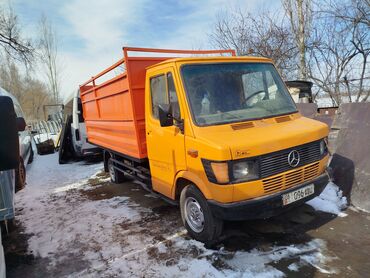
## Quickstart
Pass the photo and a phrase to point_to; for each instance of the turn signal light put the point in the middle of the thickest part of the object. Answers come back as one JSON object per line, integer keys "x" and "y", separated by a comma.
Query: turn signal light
{"x": 221, "y": 171}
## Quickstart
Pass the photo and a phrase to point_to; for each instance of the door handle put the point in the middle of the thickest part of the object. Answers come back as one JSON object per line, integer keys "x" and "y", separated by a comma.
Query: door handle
{"x": 148, "y": 132}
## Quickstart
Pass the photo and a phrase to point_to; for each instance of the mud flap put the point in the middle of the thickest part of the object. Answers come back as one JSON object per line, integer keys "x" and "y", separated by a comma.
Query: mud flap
{"x": 351, "y": 160}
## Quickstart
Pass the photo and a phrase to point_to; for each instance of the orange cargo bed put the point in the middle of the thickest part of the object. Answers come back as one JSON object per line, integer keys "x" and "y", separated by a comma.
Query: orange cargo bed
{"x": 114, "y": 110}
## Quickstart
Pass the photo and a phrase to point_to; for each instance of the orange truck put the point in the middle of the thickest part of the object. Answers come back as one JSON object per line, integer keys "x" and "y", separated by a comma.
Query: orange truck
{"x": 218, "y": 135}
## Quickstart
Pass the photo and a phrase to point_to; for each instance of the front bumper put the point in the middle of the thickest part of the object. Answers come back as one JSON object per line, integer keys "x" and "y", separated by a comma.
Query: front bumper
{"x": 266, "y": 206}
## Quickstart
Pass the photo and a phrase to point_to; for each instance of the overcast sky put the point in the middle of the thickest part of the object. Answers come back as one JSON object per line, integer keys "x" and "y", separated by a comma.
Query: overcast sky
{"x": 92, "y": 32}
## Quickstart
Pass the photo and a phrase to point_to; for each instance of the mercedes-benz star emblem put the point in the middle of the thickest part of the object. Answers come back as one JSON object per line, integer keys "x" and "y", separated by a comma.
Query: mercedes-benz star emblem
{"x": 293, "y": 158}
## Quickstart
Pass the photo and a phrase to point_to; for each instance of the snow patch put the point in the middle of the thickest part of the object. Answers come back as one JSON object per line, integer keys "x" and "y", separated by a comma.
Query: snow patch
{"x": 330, "y": 200}
{"x": 254, "y": 263}
{"x": 110, "y": 235}
{"x": 162, "y": 248}
{"x": 293, "y": 267}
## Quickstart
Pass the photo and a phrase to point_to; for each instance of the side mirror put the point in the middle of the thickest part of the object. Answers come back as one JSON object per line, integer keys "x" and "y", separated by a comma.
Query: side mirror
{"x": 21, "y": 124}
{"x": 9, "y": 141}
{"x": 165, "y": 118}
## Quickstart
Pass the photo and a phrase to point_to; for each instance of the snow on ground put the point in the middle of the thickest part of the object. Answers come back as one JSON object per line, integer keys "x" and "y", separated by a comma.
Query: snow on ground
{"x": 117, "y": 236}
{"x": 330, "y": 200}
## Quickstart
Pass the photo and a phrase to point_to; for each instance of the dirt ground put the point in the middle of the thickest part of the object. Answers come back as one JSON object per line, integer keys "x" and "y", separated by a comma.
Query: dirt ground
{"x": 347, "y": 239}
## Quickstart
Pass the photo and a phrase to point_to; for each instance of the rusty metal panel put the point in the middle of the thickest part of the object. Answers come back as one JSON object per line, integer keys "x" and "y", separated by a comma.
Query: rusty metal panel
{"x": 311, "y": 111}
{"x": 327, "y": 119}
{"x": 351, "y": 160}
{"x": 308, "y": 110}
{"x": 327, "y": 110}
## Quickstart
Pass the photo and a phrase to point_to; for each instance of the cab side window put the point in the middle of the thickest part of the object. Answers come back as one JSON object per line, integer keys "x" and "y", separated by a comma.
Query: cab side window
{"x": 158, "y": 93}
{"x": 174, "y": 101}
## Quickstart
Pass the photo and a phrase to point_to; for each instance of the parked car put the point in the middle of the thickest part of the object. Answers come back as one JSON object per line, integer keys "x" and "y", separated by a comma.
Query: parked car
{"x": 25, "y": 145}
{"x": 9, "y": 161}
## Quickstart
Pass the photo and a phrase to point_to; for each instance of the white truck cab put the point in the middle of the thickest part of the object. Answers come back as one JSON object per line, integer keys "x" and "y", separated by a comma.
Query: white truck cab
{"x": 73, "y": 108}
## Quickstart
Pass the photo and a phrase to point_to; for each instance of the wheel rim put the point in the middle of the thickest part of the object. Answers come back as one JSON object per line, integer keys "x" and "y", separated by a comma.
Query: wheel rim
{"x": 194, "y": 215}
{"x": 111, "y": 170}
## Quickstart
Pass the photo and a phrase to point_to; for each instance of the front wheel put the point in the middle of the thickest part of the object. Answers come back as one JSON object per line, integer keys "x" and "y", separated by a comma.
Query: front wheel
{"x": 197, "y": 216}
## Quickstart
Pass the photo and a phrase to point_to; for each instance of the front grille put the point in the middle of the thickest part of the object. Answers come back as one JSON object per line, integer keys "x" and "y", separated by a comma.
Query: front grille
{"x": 292, "y": 178}
{"x": 275, "y": 163}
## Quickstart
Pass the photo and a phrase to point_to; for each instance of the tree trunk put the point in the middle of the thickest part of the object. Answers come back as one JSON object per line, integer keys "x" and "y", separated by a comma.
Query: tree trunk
{"x": 301, "y": 42}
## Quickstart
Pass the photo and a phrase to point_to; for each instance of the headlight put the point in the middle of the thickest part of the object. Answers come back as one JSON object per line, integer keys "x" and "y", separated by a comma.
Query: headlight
{"x": 245, "y": 171}
{"x": 323, "y": 147}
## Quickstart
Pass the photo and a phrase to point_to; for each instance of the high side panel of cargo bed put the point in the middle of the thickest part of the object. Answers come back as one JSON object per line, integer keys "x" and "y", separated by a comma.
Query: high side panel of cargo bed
{"x": 114, "y": 110}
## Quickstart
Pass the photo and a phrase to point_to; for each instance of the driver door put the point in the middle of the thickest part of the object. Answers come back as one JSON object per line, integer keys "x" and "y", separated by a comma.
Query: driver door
{"x": 166, "y": 145}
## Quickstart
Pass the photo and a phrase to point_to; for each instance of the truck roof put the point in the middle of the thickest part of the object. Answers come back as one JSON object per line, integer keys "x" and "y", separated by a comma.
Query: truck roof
{"x": 214, "y": 59}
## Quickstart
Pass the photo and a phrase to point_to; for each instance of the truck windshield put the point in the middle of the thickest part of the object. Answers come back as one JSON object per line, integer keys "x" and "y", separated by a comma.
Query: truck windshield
{"x": 235, "y": 92}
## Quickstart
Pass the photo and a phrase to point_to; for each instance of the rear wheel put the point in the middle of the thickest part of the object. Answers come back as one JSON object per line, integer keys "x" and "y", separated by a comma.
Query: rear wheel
{"x": 115, "y": 175}
{"x": 20, "y": 176}
{"x": 197, "y": 217}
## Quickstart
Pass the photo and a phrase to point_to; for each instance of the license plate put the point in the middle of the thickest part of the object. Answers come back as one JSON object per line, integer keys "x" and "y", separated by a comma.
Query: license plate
{"x": 298, "y": 194}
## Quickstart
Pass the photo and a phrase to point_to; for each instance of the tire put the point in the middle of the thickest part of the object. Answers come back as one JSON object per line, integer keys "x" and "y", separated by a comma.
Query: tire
{"x": 194, "y": 209}
{"x": 7, "y": 227}
{"x": 115, "y": 175}
{"x": 30, "y": 159}
{"x": 20, "y": 176}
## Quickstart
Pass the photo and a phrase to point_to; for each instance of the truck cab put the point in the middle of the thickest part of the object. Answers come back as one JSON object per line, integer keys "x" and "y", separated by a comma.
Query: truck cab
{"x": 223, "y": 138}
{"x": 74, "y": 110}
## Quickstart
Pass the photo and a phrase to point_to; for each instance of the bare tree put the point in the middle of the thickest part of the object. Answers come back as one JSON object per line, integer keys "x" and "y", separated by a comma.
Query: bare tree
{"x": 299, "y": 13}
{"x": 355, "y": 12}
{"x": 36, "y": 97}
{"x": 49, "y": 57}
{"x": 11, "y": 41}
{"x": 30, "y": 92}
{"x": 355, "y": 18}
{"x": 339, "y": 50}
{"x": 262, "y": 35}
{"x": 10, "y": 78}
